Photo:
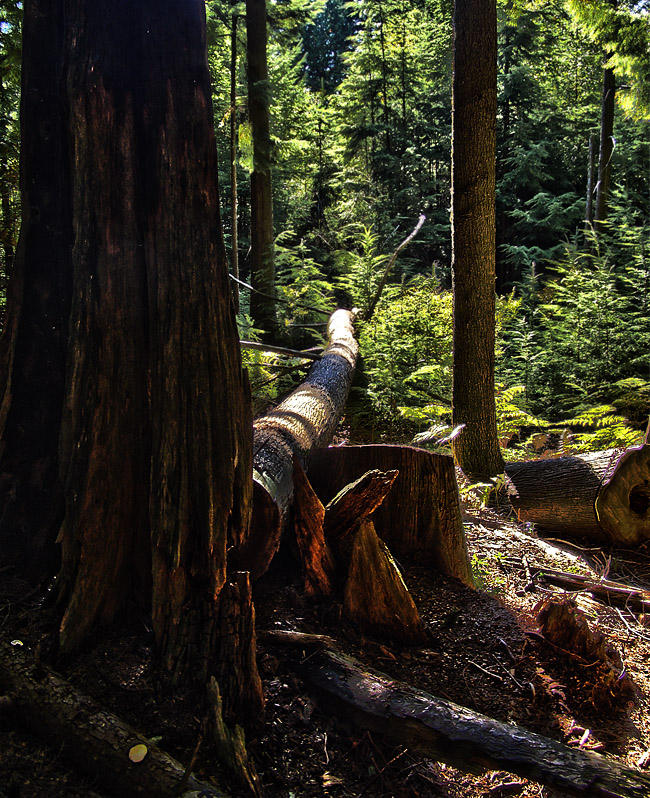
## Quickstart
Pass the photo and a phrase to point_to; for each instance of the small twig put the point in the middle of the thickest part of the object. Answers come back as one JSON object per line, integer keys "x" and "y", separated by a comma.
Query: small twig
{"x": 389, "y": 266}
{"x": 280, "y": 299}
{"x": 278, "y": 350}
{"x": 488, "y": 673}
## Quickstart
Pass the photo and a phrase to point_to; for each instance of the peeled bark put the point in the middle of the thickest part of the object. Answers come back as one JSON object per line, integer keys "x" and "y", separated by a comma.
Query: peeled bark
{"x": 376, "y": 598}
{"x": 601, "y": 495}
{"x": 420, "y": 516}
{"x": 316, "y": 557}
{"x": 465, "y": 739}
{"x": 306, "y": 419}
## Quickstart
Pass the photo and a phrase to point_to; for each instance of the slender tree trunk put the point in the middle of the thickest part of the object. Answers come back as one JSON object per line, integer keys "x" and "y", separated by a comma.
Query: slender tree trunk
{"x": 121, "y": 350}
{"x": 476, "y": 448}
{"x": 263, "y": 309}
{"x": 234, "y": 256}
{"x": 606, "y": 148}
{"x": 591, "y": 169}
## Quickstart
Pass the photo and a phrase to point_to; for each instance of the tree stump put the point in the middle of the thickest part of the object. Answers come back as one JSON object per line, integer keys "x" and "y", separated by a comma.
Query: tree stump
{"x": 623, "y": 502}
{"x": 421, "y": 514}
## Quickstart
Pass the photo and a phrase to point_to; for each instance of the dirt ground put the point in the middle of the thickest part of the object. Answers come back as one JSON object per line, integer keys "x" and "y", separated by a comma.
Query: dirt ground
{"x": 484, "y": 652}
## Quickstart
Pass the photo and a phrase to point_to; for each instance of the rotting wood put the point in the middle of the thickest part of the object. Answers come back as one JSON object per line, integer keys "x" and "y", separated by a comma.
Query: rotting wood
{"x": 601, "y": 495}
{"x": 558, "y": 494}
{"x": 306, "y": 419}
{"x": 467, "y": 740}
{"x": 345, "y": 512}
{"x": 317, "y": 560}
{"x": 93, "y": 739}
{"x": 421, "y": 514}
{"x": 376, "y": 598}
{"x": 564, "y": 626}
{"x": 623, "y": 502}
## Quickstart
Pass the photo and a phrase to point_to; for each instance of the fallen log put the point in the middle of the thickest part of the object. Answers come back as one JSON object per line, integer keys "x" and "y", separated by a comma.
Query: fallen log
{"x": 453, "y": 734}
{"x": 306, "y": 419}
{"x": 420, "y": 516}
{"x": 613, "y": 592}
{"x": 95, "y": 740}
{"x": 604, "y": 495}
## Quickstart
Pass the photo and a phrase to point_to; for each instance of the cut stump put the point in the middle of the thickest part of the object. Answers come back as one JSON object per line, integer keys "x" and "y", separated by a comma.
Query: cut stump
{"x": 421, "y": 514}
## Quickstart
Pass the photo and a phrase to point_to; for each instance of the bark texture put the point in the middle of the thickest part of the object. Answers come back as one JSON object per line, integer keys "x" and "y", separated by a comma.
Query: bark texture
{"x": 123, "y": 344}
{"x": 262, "y": 259}
{"x": 474, "y": 97}
{"x": 450, "y": 733}
{"x": 35, "y": 332}
{"x": 606, "y": 147}
{"x": 601, "y": 495}
{"x": 420, "y": 515}
{"x": 306, "y": 419}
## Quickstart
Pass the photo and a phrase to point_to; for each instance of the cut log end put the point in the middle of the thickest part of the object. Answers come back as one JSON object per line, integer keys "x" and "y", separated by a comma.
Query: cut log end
{"x": 623, "y": 502}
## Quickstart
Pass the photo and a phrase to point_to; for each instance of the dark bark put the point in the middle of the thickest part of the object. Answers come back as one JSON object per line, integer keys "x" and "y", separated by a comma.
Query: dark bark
{"x": 420, "y": 516}
{"x": 306, "y": 419}
{"x": 141, "y": 407}
{"x": 263, "y": 310}
{"x": 234, "y": 247}
{"x": 94, "y": 739}
{"x": 34, "y": 338}
{"x": 591, "y": 170}
{"x": 602, "y": 495}
{"x": 606, "y": 147}
{"x": 474, "y": 93}
{"x": 450, "y": 733}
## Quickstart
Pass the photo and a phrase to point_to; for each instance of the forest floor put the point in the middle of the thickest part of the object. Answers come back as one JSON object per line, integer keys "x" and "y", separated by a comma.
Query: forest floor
{"x": 484, "y": 652}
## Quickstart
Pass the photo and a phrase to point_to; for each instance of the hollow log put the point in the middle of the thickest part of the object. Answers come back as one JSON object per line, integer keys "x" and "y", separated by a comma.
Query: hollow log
{"x": 604, "y": 495}
{"x": 376, "y": 598}
{"x": 93, "y": 739}
{"x": 421, "y": 514}
{"x": 623, "y": 502}
{"x": 306, "y": 419}
{"x": 467, "y": 740}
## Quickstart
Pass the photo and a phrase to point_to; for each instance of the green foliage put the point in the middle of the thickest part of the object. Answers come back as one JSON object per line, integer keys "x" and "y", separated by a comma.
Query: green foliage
{"x": 301, "y": 287}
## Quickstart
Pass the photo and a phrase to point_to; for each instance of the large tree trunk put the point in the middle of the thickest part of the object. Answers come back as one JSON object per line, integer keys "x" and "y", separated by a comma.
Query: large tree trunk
{"x": 306, "y": 419}
{"x": 121, "y": 356}
{"x": 262, "y": 259}
{"x": 474, "y": 89}
{"x": 420, "y": 516}
{"x": 34, "y": 338}
{"x": 601, "y": 495}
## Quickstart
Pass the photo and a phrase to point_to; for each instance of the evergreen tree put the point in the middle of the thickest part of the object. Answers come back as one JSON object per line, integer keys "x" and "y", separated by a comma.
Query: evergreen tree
{"x": 476, "y": 447}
